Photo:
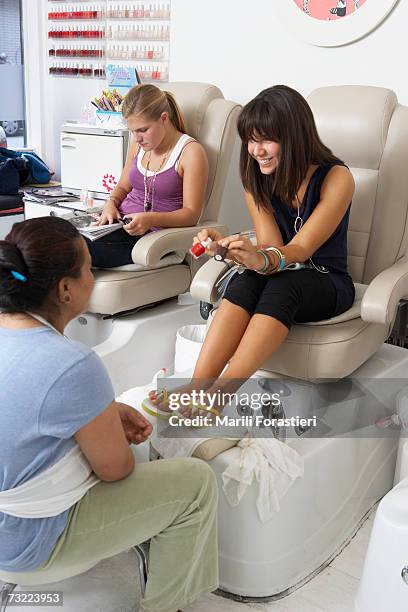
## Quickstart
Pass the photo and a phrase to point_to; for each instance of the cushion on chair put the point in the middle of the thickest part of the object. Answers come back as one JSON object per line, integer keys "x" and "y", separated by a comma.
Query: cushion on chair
{"x": 117, "y": 291}
{"x": 312, "y": 352}
{"x": 351, "y": 313}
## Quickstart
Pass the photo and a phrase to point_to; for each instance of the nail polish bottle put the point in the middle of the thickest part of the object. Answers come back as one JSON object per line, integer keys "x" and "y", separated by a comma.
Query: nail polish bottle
{"x": 199, "y": 248}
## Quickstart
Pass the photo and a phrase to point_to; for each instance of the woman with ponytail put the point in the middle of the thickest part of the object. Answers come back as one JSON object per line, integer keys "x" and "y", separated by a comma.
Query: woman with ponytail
{"x": 70, "y": 491}
{"x": 163, "y": 182}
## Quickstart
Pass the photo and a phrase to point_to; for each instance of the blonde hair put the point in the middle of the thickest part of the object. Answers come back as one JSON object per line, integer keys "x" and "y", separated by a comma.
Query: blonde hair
{"x": 151, "y": 101}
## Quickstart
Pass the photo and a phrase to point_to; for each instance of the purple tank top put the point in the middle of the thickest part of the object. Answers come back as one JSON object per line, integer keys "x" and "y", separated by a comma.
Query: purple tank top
{"x": 168, "y": 188}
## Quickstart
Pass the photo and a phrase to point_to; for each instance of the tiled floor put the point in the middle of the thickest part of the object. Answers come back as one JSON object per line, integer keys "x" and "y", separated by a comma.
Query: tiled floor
{"x": 112, "y": 586}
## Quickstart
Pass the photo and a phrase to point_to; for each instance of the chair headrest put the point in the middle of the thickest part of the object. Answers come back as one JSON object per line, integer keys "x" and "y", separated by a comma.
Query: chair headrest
{"x": 193, "y": 99}
{"x": 354, "y": 114}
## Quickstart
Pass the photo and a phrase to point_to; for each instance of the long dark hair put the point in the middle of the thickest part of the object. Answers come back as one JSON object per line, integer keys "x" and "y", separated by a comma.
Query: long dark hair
{"x": 280, "y": 114}
{"x": 34, "y": 257}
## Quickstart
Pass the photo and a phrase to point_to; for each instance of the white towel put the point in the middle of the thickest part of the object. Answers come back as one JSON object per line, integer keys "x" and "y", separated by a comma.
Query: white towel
{"x": 274, "y": 465}
{"x": 52, "y": 491}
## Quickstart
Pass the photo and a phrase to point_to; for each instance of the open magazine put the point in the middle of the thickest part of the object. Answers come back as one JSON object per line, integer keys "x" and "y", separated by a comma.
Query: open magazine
{"x": 86, "y": 224}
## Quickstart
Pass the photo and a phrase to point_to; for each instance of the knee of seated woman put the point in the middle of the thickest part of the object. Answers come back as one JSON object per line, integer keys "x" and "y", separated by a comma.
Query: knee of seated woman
{"x": 196, "y": 473}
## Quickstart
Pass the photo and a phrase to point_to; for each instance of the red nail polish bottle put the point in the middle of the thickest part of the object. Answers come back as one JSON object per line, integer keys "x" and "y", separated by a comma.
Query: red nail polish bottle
{"x": 198, "y": 249}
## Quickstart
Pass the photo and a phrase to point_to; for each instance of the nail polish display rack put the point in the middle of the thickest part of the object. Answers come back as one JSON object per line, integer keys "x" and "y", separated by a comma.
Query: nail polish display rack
{"x": 139, "y": 32}
{"x": 84, "y": 35}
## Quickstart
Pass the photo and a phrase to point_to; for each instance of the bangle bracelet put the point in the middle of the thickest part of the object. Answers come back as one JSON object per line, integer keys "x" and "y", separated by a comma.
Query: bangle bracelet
{"x": 273, "y": 261}
{"x": 282, "y": 261}
{"x": 266, "y": 262}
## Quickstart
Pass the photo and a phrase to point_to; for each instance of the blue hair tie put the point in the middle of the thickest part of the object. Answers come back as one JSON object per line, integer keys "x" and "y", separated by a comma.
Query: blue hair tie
{"x": 18, "y": 276}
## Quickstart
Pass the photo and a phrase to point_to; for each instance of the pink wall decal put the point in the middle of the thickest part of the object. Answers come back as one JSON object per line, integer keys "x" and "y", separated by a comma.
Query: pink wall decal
{"x": 329, "y": 9}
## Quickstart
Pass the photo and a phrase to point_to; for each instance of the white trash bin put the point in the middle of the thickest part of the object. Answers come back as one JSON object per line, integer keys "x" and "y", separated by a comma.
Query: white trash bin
{"x": 384, "y": 584}
{"x": 189, "y": 341}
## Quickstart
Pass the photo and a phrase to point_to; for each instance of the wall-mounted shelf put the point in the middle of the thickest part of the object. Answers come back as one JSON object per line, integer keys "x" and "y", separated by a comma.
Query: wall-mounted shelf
{"x": 106, "y": 25}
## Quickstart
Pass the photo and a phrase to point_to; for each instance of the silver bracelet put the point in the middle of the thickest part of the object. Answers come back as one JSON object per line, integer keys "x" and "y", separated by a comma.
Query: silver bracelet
{"x": 282, "y": 262}
{"x": 266, "y": 263}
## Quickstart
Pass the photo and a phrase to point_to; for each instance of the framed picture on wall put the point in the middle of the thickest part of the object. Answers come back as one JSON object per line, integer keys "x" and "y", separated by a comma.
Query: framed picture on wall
{"x": 332, "y": 23}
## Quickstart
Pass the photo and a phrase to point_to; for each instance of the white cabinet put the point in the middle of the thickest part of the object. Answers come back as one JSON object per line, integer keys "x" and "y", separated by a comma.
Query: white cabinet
{"x": 92, "y": 160}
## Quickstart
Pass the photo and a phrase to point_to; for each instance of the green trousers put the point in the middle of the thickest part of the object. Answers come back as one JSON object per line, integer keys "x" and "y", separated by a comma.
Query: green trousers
{"x": 173, "y": 502}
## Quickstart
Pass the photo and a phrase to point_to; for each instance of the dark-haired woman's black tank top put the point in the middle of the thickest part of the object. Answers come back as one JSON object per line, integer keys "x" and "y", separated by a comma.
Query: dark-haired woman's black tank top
{"x": 332, "y": 255}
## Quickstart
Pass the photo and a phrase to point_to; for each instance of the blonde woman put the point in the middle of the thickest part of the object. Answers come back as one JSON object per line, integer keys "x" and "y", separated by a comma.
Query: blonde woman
{"x": 164, "y": 180}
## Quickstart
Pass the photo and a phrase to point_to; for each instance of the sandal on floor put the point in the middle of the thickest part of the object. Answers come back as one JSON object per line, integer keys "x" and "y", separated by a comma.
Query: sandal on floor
{"x": 153, "y": 409}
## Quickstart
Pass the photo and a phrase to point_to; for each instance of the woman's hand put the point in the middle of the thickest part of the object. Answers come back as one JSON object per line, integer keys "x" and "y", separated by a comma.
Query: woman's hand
{"x": 202, "y": 235}
{"x": 139, "y": 224}
{"x": 137, "y": 429}
{"x": 110, "y": 214}
{"x": 241, "y": 250}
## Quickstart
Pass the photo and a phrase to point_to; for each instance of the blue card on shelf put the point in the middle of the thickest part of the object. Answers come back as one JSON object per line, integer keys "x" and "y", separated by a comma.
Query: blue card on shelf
{"x": 121, "y": 77}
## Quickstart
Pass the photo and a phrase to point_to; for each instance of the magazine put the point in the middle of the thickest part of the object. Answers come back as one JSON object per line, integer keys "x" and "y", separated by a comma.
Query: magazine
{"x": 51, "y": 196}
{"x": 86, "y": 224}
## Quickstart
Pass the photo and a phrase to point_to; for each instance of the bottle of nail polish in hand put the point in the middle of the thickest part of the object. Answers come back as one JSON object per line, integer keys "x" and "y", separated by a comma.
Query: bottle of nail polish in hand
{"x": 199, "y": 248}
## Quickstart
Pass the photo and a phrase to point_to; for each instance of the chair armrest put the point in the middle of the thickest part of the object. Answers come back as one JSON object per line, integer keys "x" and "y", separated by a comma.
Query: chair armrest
{"x": 203, "y": 284}
{"x": 150, "y": 249}
{"x": 381, "y": 298}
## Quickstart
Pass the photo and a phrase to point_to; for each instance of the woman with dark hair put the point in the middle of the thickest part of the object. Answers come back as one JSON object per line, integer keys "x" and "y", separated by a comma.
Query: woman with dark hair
{"x": 163, "y": 182}
{"x": 70, "y": 493}
{"x": 298, "y": 194}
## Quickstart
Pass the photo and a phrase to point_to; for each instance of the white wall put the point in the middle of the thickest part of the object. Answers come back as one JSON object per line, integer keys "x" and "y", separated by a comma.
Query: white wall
{"x": 241, "y": 47}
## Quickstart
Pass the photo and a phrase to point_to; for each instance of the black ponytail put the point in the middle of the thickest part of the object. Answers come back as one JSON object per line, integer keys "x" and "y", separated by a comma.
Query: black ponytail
{"x": 34, "y": 257}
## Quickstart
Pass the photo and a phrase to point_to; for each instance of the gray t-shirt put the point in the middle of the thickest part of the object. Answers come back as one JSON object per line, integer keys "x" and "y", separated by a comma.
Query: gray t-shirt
{"x": 50, "y": 387}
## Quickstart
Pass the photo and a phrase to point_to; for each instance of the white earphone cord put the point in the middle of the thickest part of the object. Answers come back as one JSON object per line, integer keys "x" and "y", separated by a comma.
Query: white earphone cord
{"x": 297, "y": 229}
